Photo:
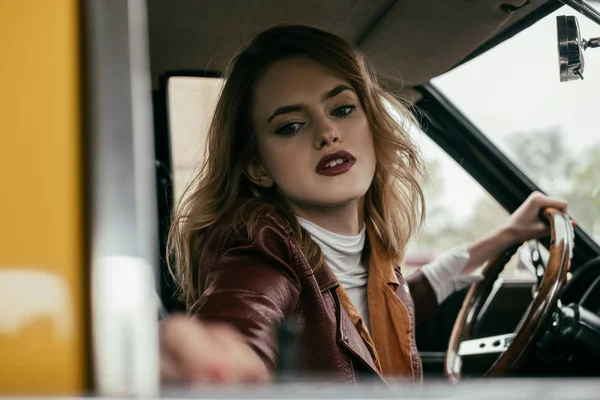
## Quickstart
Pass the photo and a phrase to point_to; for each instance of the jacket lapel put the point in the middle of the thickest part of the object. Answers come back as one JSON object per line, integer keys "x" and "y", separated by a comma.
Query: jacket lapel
{"x": 347, "y": 335}
{"x": 390, "y": 319}
{"x": 349, "y": 338}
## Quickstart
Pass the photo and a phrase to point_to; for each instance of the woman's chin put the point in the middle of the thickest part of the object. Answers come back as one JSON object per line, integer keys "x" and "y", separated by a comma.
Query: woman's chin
{"x": 341, "y": 199}
{"x": 329, "y": 197}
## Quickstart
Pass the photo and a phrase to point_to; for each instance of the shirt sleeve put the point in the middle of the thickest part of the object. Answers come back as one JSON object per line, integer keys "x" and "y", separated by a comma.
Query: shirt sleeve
{"x": 444, "y": 273}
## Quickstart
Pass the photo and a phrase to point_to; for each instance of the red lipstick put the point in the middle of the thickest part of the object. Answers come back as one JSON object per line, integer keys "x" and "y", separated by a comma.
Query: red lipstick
{"x": 336, "y": 163}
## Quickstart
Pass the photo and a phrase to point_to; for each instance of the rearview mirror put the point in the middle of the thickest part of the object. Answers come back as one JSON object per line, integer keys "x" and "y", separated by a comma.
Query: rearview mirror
{"x": 571, "y": 47}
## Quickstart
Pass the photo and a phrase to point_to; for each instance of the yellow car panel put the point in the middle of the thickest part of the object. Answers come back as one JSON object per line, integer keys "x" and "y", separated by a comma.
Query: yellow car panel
{"x": 42, "y": 325}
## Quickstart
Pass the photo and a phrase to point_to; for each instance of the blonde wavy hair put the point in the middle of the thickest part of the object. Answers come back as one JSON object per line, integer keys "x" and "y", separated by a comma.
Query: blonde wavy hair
{"x": 394, "y": 203}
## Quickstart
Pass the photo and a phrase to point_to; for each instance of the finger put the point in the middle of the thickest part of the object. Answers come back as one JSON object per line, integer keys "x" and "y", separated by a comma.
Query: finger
{"x": 190, "y": 347}
{"x": 240, "y": 362}
{"x": 225, "y": 363}
{"x": 259, "y": 373}
{"x": 214, "y": 352}
{"x": 222, "y": 332}
{"x": 536, "y": 231}
{"x": 544, "y": 231}
{"x": 169, "y": 372}
{"x": 180, "y": 336}
{"x": 249, "y": 366}
{"x": 544, "y": 202}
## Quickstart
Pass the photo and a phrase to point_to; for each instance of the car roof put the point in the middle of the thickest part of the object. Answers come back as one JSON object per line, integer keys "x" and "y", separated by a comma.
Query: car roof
{"x": 410, "y": 42}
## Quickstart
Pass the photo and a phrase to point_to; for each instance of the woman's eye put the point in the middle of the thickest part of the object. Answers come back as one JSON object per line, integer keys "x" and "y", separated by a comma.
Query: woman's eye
{"x": 343, "y": 111}
{"x": 289, "y": 129}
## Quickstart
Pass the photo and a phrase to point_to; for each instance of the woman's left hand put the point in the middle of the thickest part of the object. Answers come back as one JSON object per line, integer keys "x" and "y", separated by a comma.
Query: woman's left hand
{"x": 525, "y": 223}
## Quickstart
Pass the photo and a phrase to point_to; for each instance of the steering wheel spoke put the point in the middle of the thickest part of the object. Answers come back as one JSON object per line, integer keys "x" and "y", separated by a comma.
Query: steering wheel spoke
{"x": 486, "y": 345}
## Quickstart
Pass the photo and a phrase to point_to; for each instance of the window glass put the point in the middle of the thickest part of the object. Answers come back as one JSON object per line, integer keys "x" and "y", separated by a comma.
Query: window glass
{"x": 191, "y": 104}
{"x": 459, "y": 211}
{"x": 548, "y": 128}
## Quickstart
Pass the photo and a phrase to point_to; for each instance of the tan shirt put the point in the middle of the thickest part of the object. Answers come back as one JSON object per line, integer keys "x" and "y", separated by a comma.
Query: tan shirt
{"x": 390, "y": 321}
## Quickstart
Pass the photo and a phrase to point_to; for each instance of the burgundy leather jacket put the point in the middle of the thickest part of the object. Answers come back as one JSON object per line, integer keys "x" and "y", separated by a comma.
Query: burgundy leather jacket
{"x": 255, "y": 284}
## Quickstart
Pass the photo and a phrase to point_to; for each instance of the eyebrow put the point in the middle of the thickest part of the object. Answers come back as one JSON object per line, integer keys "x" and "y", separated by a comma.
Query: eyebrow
{"x": 297, "y": 107}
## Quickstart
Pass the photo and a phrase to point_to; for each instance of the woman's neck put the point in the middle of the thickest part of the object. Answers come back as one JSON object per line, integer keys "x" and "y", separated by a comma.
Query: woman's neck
{"x": 345, "y": 219}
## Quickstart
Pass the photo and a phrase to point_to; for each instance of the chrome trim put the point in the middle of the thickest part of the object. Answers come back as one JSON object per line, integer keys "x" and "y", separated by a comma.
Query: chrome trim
{"x": 487, "y": 345}
{"x": 119, "y": 142}
{"x": 584, "y": 8}
{"x": 570, "y": 48}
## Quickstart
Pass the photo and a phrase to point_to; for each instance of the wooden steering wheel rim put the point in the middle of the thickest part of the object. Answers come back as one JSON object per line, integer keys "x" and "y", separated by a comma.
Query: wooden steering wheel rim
{"x": 536, "y": 316}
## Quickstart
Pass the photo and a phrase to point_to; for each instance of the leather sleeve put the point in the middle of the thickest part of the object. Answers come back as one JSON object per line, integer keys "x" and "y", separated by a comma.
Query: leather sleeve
{"x": 252, "y": 285}
{"x": 423, "y": 295}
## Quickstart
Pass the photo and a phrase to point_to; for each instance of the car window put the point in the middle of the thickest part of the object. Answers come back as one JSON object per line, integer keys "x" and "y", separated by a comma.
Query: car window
{"x": 548, "y": 128}
{"x": 191, "y": 102}
{"x": 459, "y": 211}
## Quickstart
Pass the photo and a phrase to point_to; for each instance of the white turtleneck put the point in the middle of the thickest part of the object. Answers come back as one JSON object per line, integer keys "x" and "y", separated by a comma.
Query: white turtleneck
{"x": 343, "y": 254}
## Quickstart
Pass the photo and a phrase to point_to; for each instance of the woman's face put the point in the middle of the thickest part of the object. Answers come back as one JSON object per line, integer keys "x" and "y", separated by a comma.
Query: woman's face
{"x": 314, "y": 140}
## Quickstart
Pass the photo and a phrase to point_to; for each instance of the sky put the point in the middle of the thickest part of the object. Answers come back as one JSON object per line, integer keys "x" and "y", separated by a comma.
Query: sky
{"x": 515, "y": 87}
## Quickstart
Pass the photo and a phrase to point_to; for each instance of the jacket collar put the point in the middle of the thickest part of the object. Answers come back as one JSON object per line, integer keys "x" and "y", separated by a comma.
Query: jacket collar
{"x": 325, "y": 278}
{"x": 380, "y": 264}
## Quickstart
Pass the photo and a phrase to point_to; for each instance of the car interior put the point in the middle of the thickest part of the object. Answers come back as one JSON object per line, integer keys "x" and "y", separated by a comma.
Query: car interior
{"x": 505, "y": 108}
{"x": 449, "y": 34}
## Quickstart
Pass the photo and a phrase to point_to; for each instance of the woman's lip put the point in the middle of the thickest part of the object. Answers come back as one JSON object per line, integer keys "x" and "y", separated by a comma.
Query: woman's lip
{"x": 338, "y": 169}
{"x": 327, "y": 158}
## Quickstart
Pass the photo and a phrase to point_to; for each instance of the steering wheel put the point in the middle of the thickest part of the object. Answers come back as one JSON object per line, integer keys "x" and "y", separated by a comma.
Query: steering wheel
{"x": 513, "y": 347}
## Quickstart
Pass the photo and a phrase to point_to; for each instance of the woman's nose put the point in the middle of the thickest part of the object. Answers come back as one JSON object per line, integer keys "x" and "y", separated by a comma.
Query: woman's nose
{"x": 326, "y": 133}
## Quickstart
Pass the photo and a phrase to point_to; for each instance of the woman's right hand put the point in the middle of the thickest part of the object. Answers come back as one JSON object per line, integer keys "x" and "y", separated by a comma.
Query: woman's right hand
{"x": 196, "y": 352}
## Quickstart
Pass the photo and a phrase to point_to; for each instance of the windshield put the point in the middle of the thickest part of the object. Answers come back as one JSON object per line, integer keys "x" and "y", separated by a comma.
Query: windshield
{"x": 549, "y": 129}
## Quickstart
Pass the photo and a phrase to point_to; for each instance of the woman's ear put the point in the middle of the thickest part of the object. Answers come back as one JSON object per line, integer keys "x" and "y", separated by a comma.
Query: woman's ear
{"x": 258, "y": 174}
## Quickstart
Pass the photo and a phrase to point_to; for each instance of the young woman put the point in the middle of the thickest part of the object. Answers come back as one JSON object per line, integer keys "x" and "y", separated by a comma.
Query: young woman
{"x": 303, "y": 208}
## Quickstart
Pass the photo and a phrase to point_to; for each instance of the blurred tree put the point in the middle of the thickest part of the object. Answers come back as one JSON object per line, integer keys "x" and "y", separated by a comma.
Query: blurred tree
{"x": 547, "y": 159}
{"x": 542, "y": 155}
{"x": 440, "y": 231}
{"x": 433, "y": 189}
{"x": 583, "y": 193}
{"x": 487, "y": 216}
